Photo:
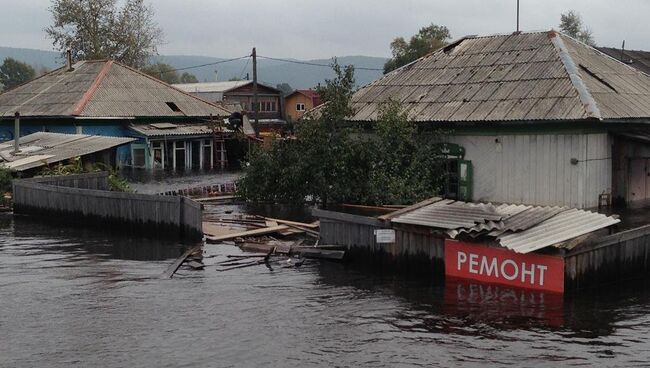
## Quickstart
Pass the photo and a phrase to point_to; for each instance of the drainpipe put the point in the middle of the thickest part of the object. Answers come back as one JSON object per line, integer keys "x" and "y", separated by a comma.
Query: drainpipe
{"x": 16, "y": 132}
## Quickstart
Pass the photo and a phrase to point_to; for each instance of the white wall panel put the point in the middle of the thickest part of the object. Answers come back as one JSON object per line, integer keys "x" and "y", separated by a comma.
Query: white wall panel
{"x": 537, "y": 169}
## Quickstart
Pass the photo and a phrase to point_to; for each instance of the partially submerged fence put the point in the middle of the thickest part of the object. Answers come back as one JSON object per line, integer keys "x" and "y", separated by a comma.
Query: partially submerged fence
{"x": 86, "y": 197}
{"x": 411, "y": 251}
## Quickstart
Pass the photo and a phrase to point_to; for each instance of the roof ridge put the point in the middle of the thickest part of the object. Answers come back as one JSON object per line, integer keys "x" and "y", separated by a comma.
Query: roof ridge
{"x": 588, "y": 102}
{"x": 90, "y": 92}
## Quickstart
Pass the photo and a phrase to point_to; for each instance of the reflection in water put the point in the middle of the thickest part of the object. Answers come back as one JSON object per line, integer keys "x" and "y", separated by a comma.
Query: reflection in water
{"x": 77, "y": 297}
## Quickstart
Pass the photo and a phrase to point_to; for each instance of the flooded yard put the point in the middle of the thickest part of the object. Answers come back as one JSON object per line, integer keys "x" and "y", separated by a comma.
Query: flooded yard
{"x": 77, "y": 297}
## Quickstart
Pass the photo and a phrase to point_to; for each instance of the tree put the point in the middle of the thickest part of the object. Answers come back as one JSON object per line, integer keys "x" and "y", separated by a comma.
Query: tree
{"x": 427, "y": 39}
{"x": 14, "y": 73}
{"x": 100, "y": 29}
{"x": 285, "y": 88}
{"x": 571, "y": 24}
{"x": 331, "y": 161}
{"x": 188, "y": 78}
{"x": 162, "y": 71}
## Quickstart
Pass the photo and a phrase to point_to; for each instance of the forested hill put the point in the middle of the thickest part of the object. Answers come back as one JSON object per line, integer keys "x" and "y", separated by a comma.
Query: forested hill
{"x": 270, "y": 71}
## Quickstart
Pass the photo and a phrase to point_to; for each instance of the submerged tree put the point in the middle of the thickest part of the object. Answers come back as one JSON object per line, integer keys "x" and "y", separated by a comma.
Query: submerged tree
{"x": 14, "y": 73}
{"x": 571, "y": 24}
{"x": 427, "y": 39}
{"x": 332, "y": 161}
{"x": 100, "y": 29}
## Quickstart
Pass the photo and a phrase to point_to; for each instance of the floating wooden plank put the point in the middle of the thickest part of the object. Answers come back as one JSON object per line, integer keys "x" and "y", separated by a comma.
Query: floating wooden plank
{"x": 313, "y": 225}
{"x": 256, "y": 232}
{"x": 336, "y": 255}
{"x": 196, "y": 265}
{"x": 171, "y": 270}
{"x": 216, "y": 198}
{"x": 212, "y": 229}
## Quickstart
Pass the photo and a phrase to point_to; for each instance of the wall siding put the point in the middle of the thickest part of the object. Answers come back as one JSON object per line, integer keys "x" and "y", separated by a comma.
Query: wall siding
{"x": 537, "y": 169}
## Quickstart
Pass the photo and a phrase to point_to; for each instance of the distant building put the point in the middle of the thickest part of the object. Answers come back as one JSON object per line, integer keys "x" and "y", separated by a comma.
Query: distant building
{"x": 104, "y": 97}
{"x": 537, "y": 118}
{"x": 240, "y": 93}
{"x": 635, "y": 58}
{"x": 300, "y": 101}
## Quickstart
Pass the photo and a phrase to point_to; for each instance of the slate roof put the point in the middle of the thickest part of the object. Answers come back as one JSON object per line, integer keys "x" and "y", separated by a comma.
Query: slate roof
{"x": 102, "y": 89}
{"x": 637, "y": 59}
{"x": 513, "y": 77}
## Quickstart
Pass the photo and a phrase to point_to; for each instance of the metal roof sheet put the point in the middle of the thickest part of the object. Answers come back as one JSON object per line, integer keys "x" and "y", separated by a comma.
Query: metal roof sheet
{"x": 99, "y": 89}
{"x": 170, "y": 130}
{"x": 448, "y": 214}
{"x": 561, "y": 227}
{"x": 526, "y": 76}
{"x": 44, "y": 148}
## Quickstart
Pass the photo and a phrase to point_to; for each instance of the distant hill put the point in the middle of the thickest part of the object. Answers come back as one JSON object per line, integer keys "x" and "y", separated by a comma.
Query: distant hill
{"x": 269, "y": 71}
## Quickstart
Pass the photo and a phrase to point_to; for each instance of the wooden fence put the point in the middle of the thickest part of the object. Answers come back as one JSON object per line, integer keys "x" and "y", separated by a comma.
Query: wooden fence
{"x": 412, "y": 251}
{"x": 85, "y": 197}
{"x": 617, "y": 257}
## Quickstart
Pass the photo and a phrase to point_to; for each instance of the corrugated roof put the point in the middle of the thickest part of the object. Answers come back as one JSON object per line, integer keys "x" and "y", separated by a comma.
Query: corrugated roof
{"x": 205, "y": 87}
{"x": 217, "y": 87}
{"x": 521, "y": 228}
{"x": 637, "y": 59}
{"x": 44, "y": 148}
{"x": 561, "y": 227}
{"x": 100, "y": 89}
{"x": 169, "y": 130}
{"x": 513, "y": 77}
{"x": 447, "y": 214}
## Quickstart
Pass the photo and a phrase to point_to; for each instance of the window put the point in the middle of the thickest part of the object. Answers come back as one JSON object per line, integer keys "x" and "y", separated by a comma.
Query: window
{"x": 300, "y": 107}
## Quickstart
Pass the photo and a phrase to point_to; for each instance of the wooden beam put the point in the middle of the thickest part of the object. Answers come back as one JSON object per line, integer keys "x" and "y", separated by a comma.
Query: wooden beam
{"x": 171, "y": 270}
{"x": 256, "y": 232}
{"x": 410, "y": 208}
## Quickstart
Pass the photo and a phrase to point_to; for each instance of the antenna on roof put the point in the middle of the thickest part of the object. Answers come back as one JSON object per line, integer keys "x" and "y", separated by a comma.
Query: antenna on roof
{"x": 623, "y": 51}
{"x": 517, "y": 16}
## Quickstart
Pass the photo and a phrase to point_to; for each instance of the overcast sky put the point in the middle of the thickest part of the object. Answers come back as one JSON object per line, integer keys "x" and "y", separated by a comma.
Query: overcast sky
{"x": 308, "y": 29}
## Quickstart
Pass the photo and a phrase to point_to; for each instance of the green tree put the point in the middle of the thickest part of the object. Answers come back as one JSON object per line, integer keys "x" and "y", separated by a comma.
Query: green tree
{"x": 14, "y": 72}
{"x": 427, "y": 39}
{"x": 571, "y": 24}
{"x": 285, "y": 88}
{"x": 188, "y": 78}
{"x": 332, "y": 161}
{"x": 162, "y": 71}
{"x": 101, "y": 29}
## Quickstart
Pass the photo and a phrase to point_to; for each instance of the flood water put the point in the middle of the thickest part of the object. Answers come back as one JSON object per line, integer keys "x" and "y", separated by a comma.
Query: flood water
{"x": 93, "y": 298}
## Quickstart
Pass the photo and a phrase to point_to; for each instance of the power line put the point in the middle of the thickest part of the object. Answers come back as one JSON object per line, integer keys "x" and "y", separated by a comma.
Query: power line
{"x": 314, "y": 64}
{"x": 202, "y": 65}
{"x": 241, "y": 75}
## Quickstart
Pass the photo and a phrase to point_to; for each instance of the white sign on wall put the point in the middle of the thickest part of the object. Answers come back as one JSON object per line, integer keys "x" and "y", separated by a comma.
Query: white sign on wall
{"x": 385, "y": 235}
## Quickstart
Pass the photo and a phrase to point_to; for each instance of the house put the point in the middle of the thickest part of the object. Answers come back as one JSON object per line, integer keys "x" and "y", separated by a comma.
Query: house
{"x": 233, "y": 93}
{"x": 635, "y": 58}
{"x": 102, "y": 97}
{"x": 43, "y": 148}
{"x": 299, "y": 101}
{"x": 539, "y": 118}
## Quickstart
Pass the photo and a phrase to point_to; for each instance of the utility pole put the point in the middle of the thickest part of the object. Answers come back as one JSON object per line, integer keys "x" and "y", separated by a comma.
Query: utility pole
{"x": 517, "y": 16}
{"x": 256, "y": 106}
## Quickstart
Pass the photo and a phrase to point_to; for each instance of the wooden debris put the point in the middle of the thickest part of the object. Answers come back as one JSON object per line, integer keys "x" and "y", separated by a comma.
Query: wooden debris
{"x": 263, "y": 231}
{"x": 311, "y": 252}
{"x": 171, "y": 270}
{"x": 196, "y": 265}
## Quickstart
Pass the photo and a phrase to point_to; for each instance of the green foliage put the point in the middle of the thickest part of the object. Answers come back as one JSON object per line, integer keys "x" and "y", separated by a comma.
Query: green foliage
{"x": 6, "y": 177}
{"x": 427, "y": 39}
{"x": 571, "y": 24}
{"x": 188, "y": 78}
{"x": 115, "y": 182}
{"x": 101, "y": 29}
{"x": 162, "y": 71}
{"x": 285, "y": 88}
{"x": 331, "y": 161}
{"x": 14, "y": 73}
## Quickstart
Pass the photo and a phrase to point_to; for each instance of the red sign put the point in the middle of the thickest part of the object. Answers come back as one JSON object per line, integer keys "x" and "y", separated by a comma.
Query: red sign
{"x": 503, "y": 266}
